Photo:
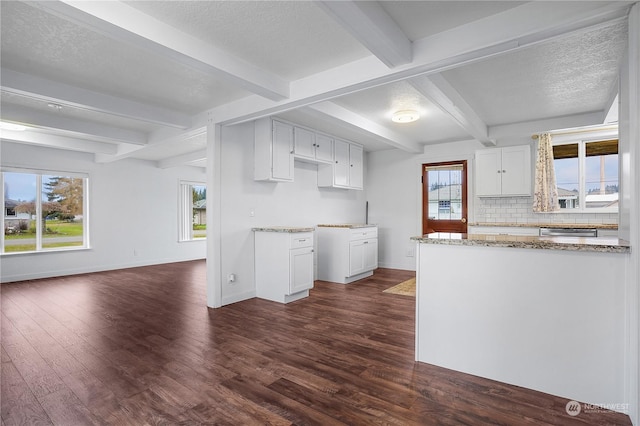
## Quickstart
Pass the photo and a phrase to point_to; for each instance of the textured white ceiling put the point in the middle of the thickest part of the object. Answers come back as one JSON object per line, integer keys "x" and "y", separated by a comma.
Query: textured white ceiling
{"x": 44, "y": 45}
{"x": 9, "y": 99}
{"x": 290, "y": 38}
{"x": 572, "y": 75}
{"x": 420, "y": 19}
{"x": 378, "y": 104}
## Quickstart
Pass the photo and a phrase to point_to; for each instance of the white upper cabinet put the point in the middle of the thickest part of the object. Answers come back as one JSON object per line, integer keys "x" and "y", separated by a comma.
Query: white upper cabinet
{"x": 503, "y": 171}
{"x": 347, "y": 169}
{"x": 324, "y": 148}
{"x": 312, "y": 146}
{"x": 356, "y": 168}
{"x": 273, "y": 152}
{"x": 278, "y": 143}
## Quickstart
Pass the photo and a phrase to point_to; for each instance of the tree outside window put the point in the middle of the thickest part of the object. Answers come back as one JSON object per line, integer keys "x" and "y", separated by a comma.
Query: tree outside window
{"x": 46, "y": 219}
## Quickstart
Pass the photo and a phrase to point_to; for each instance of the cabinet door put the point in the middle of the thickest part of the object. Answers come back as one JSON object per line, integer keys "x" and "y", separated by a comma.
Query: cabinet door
{"x": 324, "y": 148}
{"x": 488, "y": 172}
{"x": 356, "y": 166}
{"x": 304, "y": 143}
{"x": 282, "y": 151}
{"x": 516, "y": 170}
{"x": 341, "y": 166}
{"x": 356, "y": 257}
{"x": 301, "y": 270}
{"x": 370, "y": 252}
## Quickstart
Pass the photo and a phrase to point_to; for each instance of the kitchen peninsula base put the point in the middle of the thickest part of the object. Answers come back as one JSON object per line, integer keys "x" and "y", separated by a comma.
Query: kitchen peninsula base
{"x": 552, "y": 320}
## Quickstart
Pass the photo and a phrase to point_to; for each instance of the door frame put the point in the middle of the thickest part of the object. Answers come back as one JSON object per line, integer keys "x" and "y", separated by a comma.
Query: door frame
{"x": 450, "y": 226}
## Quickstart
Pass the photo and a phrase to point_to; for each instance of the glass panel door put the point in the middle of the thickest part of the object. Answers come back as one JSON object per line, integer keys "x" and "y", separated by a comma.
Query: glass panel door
{"x": 444, "y": 197}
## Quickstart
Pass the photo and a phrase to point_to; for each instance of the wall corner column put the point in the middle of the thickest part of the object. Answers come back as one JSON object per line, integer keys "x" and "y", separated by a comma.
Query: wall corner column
{"x": 214, "y": 213}
{"x": 629, "y": 127}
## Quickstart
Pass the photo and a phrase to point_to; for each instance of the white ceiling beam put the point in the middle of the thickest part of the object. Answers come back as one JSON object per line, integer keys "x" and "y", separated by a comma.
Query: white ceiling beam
{"x": 372, "y": 26}
{"x": 431, "y": 55}
{"x": 122, "y": 151}
{"x": 49, "y": 91}
{"x": 528, "y": 128}
{"x": 360, "y": 123}
{"x": 181, "y": 160}
{"x": 57, "y": 141}
{"x": 502, "y": 33}
{"x": 79, "y": 128}
{"x": 160, "y": 137}
{"x": 122, "y": 22}
{"x": 439, "y": 91}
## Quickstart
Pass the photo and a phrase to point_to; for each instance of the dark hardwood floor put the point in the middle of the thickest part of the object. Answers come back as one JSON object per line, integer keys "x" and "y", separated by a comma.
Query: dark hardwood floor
{"x": 139, "y": 346}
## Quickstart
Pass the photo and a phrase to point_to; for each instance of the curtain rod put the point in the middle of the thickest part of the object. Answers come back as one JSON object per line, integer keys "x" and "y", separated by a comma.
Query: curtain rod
{"x": 571, "y": 132}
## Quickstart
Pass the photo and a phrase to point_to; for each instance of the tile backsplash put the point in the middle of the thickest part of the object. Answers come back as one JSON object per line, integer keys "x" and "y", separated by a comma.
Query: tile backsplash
{"x": 519, "y": 210}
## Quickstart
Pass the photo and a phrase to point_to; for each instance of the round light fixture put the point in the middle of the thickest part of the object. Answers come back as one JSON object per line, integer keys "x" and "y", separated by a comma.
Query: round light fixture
{"x": 405, "y": 116}
{"x": 12, "y": 126}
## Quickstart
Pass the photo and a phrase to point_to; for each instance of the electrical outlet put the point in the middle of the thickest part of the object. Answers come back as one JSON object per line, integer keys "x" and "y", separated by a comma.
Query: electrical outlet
{"x": 252, "y": 213}
{"x": 411, "y": 252}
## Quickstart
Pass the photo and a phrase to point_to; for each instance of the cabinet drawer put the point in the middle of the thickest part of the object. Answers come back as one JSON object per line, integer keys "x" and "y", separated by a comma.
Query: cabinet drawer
{"x": 363, "y": 233}
{"x": 301, "y": 239}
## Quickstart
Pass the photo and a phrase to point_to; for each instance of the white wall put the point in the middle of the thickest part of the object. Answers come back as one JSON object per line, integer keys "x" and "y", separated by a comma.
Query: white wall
{"x": 547, "y": 320}
{"x": 395, "y": 199}
{"x": 299, "y": 203}
{"x": 133, "y": 205}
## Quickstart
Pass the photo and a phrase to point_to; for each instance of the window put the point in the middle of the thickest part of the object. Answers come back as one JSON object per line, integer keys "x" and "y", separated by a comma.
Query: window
{"x": 587, "y": 175}
{"x": 193, "y": 211}
{"x": 445, "y": 192}
{"x": 43, "y": 211}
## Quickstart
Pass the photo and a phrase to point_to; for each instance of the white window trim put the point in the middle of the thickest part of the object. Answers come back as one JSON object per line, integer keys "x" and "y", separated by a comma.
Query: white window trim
{"x": 39, "y": 173}
{"x": 185, "y": 211}
{"x": 568, "y": 140}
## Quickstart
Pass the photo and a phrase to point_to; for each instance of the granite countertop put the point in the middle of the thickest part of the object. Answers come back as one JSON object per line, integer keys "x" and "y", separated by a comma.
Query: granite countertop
{"x": 548, "y": 225}
{"x": 347, "y": 225}
{"x": 592, "y": 244}
{"x": 290, "y": 229}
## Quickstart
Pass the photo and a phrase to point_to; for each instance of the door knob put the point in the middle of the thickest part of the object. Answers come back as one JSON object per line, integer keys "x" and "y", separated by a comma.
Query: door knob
{"x": 463, "y": 220}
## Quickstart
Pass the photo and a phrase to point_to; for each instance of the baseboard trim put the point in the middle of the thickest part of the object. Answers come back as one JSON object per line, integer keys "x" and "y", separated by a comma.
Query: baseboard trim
{"x": 89, "y": 270}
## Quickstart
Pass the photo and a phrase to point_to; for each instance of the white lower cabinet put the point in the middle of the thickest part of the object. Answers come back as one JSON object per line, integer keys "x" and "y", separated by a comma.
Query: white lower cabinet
{"x": 347, "y": 253}
{"x": 284, "y": 264}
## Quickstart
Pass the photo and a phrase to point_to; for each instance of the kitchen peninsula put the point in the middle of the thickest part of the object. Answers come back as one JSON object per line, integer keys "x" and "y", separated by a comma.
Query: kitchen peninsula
{"x": 546, "y": 313}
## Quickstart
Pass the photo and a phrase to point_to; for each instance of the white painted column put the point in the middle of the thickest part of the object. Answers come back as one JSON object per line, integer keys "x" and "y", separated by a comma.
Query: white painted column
{"x": 214, "y": 214}
{"x": 629, "y": 223}
{"x": 632, "y": 129}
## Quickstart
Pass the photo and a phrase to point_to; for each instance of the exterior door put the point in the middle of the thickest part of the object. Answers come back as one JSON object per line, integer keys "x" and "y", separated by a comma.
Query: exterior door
{"x": 444, "y": 197}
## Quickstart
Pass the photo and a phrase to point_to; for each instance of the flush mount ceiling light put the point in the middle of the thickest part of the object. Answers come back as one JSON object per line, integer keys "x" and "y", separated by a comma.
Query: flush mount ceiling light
{"x": 405, "y": 116}
{"x": 12, "y": 126}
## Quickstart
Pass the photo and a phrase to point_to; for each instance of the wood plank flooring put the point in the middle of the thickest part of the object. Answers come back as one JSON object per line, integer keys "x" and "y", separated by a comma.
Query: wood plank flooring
{"x": 139, "y": 346}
